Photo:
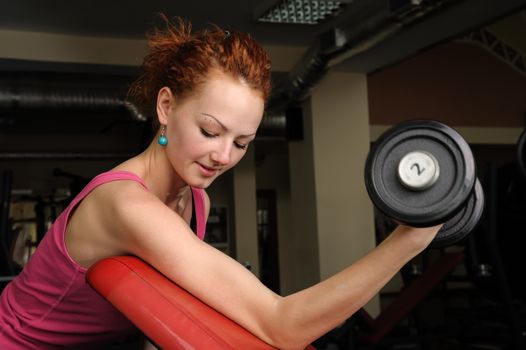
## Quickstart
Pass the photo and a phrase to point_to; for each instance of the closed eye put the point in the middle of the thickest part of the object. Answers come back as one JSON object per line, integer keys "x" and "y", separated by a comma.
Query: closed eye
{"x": 240, "y": 146}
{"x": 211, "y": 135}
{"x": 207, "y": 134}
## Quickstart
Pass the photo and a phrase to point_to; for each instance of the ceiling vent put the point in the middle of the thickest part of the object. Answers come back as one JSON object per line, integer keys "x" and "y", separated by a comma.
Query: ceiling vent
{"x": 309, "y": 12}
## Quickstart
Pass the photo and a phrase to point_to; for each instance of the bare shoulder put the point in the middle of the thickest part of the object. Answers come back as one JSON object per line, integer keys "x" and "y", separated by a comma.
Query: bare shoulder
{"x": 118, "y": 197}
{"x": 120, "y": 193}
{"x": 124, "y": 205}
{"x": 104, "y": 219}
{"x": 141, "y": 224}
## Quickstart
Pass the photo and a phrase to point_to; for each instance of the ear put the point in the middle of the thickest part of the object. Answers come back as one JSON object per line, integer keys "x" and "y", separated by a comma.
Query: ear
{"x": 165, "y": 100}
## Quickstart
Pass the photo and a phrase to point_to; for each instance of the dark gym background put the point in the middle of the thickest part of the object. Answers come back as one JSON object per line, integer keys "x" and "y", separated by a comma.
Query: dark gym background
{"x": 63, "y": 119}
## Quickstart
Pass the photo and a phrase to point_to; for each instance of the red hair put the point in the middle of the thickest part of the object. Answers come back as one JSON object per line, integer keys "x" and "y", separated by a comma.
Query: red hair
{"x": 181, "y": 60}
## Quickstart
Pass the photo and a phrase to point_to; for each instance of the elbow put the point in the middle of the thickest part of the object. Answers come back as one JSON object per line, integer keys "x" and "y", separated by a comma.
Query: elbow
{"x": 284, "y": 337}
{"x": 283, "y": 330}
{"x": 288, "y": 342}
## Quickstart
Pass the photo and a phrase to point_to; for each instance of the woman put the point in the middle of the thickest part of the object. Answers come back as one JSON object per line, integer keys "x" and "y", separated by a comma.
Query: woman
{"x": 207, "y": 93}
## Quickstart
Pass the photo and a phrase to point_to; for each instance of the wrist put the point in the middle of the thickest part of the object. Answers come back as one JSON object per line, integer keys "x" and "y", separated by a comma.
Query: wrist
{"x": 417, "y": 238}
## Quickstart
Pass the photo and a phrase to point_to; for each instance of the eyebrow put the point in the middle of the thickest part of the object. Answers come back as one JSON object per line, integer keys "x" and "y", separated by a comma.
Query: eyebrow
{"x": 223, "y": 126}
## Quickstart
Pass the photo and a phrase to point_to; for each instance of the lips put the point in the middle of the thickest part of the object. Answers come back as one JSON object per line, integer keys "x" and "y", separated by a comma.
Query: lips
{"x": 207, "y": 171}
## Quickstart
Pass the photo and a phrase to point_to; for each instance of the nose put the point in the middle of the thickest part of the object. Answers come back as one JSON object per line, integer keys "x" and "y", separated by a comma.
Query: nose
{"x": 221, "y": 155}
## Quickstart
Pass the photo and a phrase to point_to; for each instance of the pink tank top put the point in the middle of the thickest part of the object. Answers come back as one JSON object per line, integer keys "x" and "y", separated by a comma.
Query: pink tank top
{"x": 50, "y": 305}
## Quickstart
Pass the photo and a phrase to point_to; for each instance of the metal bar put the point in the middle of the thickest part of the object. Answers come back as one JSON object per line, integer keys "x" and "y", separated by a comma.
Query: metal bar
{"x": 410, "y": 297}
{"x": 64, "y": 155}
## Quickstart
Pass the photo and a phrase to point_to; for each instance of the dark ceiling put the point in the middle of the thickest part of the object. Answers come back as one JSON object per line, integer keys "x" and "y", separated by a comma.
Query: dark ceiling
{"x": 131, "y": 19}
{"x": 360, "y": 20}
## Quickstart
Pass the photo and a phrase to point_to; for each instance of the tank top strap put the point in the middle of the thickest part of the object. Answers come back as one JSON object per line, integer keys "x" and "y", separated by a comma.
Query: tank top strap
{"x": 103, "y": 178}
{"x": 114, "y": 175}
{"x": 200, "y": 215}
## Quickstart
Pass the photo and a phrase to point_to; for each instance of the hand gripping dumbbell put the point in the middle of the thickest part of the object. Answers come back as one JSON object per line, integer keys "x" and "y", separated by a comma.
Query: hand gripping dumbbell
{"x": 422, "y": 173}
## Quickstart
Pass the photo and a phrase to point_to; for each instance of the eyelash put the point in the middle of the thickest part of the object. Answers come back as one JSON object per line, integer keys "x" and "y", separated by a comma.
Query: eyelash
{"x": 241, "y": 147}
{"x": 209, "y": 135}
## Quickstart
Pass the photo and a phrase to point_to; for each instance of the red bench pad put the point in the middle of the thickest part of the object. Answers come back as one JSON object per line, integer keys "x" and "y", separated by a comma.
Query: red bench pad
{"x": 167, "y": 314}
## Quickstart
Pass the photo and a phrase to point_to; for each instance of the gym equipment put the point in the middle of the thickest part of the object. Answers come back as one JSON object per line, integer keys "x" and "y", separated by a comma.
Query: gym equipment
{"x": 78, "y": 182}
{"x": 363, "y": 331}
{"x": 459, "y": 226}
{"x": 5, "y": 222}
{"x": 168, "y": 315}
{"x": 376, "y": 329}
{"x": 422, "y": 173}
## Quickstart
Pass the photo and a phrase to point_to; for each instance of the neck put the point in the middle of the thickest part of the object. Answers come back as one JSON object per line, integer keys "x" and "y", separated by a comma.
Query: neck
{"x": 160, "y": 176}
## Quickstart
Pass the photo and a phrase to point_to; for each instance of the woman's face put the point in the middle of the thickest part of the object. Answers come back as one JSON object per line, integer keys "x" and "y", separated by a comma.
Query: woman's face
{"x": 209, "y": 131}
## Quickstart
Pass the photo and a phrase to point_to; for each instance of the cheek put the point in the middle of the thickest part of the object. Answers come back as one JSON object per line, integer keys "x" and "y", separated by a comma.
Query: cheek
{"x": 187, "y": 142}
{"x": 180, "y": 150}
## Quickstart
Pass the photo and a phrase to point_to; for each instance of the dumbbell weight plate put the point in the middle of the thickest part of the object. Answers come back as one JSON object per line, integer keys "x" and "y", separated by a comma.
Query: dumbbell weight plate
{"x": 460, "y": 225}
{"x": 429, "y": 204}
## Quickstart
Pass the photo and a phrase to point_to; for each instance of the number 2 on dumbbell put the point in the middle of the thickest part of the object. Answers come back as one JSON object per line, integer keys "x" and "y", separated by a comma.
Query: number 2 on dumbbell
{"x": 418, "y": 170}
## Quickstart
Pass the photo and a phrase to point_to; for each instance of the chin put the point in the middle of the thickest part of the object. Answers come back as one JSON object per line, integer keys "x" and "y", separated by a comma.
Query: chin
{"x": 201, "y": 183}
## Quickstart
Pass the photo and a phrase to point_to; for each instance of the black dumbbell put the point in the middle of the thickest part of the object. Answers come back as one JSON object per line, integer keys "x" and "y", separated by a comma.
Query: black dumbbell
{"x": 422, "y": 173}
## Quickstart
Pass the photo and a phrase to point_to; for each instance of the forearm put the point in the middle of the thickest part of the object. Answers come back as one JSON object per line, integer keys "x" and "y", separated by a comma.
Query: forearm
{"x": 308, "y": 314}
{"x": 225, "y": 285}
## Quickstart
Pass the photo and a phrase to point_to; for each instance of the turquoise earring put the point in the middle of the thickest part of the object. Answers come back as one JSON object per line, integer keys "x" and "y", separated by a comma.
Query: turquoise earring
{"x": 162, "y": 140}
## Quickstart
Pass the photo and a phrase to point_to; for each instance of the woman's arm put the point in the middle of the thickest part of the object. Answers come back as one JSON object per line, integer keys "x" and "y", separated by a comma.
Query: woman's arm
{"x": 336, "y": 298}
{"x": 147, "y": 228}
